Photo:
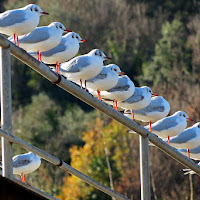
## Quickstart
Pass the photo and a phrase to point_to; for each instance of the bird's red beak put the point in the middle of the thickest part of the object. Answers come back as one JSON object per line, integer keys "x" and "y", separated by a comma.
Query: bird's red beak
{"x": 44, "y": 13}
{"x": 67, "y": 30}
{"x": 108, "y": 58}
{"x": 83, "y": 40}
{"x": 154, "y": 94}
{"x": 190, "y": 119}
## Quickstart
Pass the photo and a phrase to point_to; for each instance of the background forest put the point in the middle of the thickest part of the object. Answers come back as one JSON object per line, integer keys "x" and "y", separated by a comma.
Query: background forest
{"x": 157, "y": 43}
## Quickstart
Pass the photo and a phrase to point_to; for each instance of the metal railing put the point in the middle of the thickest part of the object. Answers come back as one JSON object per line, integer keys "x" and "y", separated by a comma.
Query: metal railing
{"x": 94, "y": 102}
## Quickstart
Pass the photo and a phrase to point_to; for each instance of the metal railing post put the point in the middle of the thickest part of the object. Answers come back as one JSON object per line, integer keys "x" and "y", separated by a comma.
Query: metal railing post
{"x": 6, "y": 110}
{"x": 144, "y": 168}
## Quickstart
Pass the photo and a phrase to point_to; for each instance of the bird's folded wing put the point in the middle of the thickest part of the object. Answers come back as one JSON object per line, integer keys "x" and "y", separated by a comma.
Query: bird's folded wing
{"x": 58, "y": 49}
{"x": 38, "y": 35}
{"x": 21, "y": 160}
{"x": 10, "y": 18}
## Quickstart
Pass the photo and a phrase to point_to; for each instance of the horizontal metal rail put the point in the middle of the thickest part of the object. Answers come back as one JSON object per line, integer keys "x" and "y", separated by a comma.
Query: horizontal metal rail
{"x": 61, "y": 164}
{"x": 75, "y": 90}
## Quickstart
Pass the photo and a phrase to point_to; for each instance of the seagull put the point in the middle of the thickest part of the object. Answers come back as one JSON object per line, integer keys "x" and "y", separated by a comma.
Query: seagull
{"x": 156, "y": 110}
{"x": 120, "y": 92}
{"x": 42, "y": 38}
{"x": 170, "y": 126}
{"x": 194, "y": 153}
{"x": 20, "y": 21}
{"x": 66, "y": 50}
{"x": 84, "y": 67}
{"x": 141, "y": 98}
{"x": 189, "y": 171}
{"x": 188, "y": 139}
{"x": 106, "y": 79}
{"x": 25, "y": 164}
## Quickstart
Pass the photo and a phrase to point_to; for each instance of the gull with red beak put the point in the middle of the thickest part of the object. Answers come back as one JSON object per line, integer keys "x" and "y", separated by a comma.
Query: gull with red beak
{"x": 66, "y": 50}
{"x": 84, "y": 67}
{"x": 105, "y": 80}
{"x": 141, "y": 98}
{"x": 170, "y": 126}
{"x": 20, "y": 21}
{"x": 42, "y": 38}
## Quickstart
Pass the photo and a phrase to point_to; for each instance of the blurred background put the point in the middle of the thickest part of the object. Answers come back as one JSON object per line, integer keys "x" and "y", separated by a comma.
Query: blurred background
{"x": 157, "y": 43}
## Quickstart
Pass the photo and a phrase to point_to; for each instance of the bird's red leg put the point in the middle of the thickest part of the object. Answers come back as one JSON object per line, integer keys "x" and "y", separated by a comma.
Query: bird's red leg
{"x": 81, "y": 83}
{"x": 38, "y": 55}
{"x": 99, "y": 95}
{"x": 188, "y": 153}
{"x": 114, "y": 104}
{"x": 23, "y": 177}
{"x": 85, "y": 86}
{"x": 150, "y": 126}
{"x": 168, "y": 140}
{"x": 58, "y": 67}
{"x": 14, "y": 39}
{"x": 17, "y": 41}
{"x": 132, "y": 111}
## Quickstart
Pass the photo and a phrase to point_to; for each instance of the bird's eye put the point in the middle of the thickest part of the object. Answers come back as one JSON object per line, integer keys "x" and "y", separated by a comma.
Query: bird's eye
{"x": 77, "y": 37}
{"x": 60, "y": 27}
{"x": 198, "y": 126}
{"x": 100, "y": 54}
{"x": 36, "y": 9}
{"x": 96, "y": 53}
{"x": 184, "y": 115}
{"x": 115, "y": 69}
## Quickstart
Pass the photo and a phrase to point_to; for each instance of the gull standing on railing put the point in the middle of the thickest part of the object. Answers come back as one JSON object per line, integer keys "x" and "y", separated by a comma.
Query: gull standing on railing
{"x": 194, "y": 153}
{"x": 25, "y": 164}
{"x": 84, "y": 67}
{"x": 106, "y": 79}
{"x": 188, "y": 139}
{"x": 156, "y": 110}
{"x": 66, "y": 50}
{"x": 20, "y": 21}
{"x": 42, "y": 38}
{"x": 141, "y": 98}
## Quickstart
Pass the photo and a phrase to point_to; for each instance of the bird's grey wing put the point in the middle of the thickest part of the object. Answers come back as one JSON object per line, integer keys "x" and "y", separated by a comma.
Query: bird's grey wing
{"x": 20, "y": 161}
{"x": 38, "y": 35}
{"x": 12, "y": 17}
{"x": 58, "y": 49}
{"x": 77, "y": 64}
{"x": 122, "y": 85}
{"x": 164, "y": 124}
{"x": 185, "y": 136}
{"x": 102, "y": 75}
{"x": 136, "y": 97}
{"x": 147, "y": 110}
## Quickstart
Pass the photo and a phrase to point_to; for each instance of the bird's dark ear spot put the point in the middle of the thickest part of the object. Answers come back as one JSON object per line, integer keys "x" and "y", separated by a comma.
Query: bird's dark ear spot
{"x": 31, "y": 9}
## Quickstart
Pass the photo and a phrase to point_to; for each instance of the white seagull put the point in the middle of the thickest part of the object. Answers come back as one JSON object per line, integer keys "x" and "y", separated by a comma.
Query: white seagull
{"x": 141, "y": 98}
{"x": 170, "y": 126}
{"x": 25, "y": 164}
{"x": 156, "y": 110}
{"x": 66, "y": 50}
{"x": 194, "y": 153}
{"x": 106, "y": 79}
{"x": 188, "y": 139}
{"x": 42, "y": 38}
{"x": 20, "y": 21}
{"x": 84, "y": 67}
{"x": 120, "y": 92}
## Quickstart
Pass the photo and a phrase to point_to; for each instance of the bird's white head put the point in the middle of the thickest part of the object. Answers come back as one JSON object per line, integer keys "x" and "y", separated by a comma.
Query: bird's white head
{"x": 34, "y": 9}
{"x": 182, "y": 115}
{"x": 148, "y": 90}
{"x": 75, "y": 36}
{"x": 115, "y": 69}
{"x": 59, "y": 26}
{"x": 98, "y": 53}
{"x": 197, "y": 125}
